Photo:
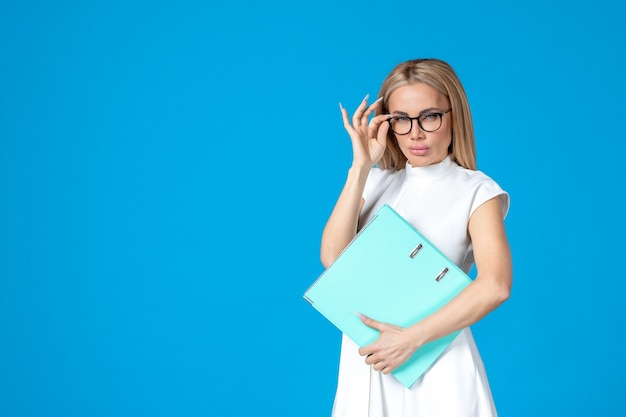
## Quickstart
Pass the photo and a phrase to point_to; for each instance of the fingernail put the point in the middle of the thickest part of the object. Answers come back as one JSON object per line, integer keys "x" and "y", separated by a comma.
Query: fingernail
{"x": 340, "y": 106}
{"x": 366, "y": 97}
{"x": 378, "y": 99}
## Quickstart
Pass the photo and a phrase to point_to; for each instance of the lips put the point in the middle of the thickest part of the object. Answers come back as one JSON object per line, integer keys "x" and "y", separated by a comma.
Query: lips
{"x": 418, "y": 150}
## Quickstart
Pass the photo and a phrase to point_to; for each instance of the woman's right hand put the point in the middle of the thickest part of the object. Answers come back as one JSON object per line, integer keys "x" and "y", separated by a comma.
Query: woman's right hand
{"x": 369, "y": 137}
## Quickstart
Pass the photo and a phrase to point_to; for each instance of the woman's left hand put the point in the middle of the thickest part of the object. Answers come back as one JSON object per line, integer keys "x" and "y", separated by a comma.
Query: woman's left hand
{"x": 392, "y": 348}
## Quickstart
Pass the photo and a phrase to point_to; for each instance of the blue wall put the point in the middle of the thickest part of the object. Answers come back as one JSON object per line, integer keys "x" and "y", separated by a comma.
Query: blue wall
{"x": 166, "y": 169}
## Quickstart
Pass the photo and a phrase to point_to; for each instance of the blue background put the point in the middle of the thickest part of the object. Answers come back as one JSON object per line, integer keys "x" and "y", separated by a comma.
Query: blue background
{"x": 166, "y": 169}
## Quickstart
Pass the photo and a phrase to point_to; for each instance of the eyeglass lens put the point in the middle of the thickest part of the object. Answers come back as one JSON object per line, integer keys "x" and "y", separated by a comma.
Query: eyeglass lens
{"x": 427, "y": 122}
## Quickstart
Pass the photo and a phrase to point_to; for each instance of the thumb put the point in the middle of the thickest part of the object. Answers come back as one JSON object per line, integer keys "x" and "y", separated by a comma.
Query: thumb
{"x": 369, "y": 322}
{"x": 381, "y": 135}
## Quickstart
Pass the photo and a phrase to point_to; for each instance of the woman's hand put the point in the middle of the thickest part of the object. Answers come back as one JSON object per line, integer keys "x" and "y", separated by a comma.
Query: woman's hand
{"x": 369, "y": 137}
{"x": 392, "y": 348}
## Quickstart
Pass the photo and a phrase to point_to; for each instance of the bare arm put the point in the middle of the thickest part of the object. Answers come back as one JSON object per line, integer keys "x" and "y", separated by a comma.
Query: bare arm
{"x": 490, "y": 289}
{"x": 368, "y": 144}
{"x": 341, "y": 226}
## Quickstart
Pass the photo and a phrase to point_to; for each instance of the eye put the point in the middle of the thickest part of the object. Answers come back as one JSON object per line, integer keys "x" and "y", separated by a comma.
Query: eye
{"x": 430, "y": 117}
{"x": 401, "y": 119}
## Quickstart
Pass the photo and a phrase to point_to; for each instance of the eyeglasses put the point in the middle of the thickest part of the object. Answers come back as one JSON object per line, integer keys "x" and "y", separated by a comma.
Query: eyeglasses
{"x": 428, "y": 122}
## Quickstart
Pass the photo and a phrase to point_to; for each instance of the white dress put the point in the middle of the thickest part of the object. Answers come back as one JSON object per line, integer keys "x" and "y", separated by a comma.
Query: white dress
{"x": 438, "y": 200}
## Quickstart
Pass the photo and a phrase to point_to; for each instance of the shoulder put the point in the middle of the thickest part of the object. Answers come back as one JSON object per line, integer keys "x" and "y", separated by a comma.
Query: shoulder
{"x": 480, "y": 187}
{"x": 382, "y": 182}
{"x": 378, "y": 178}
{"x": 470, "y": 176}
{"x": 378, "y": 174}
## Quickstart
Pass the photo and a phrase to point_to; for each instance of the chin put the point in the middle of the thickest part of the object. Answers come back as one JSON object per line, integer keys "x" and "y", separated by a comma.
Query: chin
{"x": 422, "y": 161}
{"x": 419, "y": 161}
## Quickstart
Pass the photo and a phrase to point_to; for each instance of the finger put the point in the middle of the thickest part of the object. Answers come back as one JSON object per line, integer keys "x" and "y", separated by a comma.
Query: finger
{"x": 380, "y": 119}
{"x": 368, "y": 112}
{"x": 366, "y": 351}
{"x": 383, "y": 131}
{"x": 375, "y": 361}
{"x": 379, "y": 366}
{"x": 357, "y": 117}
{"x": 377, "y": 124}
{"x": 371, "y": 108}
{"x": 344, "y": 117}
{"x": 369, "y": 322}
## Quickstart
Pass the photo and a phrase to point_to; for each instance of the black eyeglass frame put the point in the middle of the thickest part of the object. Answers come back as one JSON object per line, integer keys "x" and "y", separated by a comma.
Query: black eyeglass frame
{"x": 419, "y": 121}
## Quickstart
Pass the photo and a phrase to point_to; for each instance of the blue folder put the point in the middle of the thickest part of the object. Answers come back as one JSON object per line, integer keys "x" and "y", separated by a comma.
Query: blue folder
{"x": 391, "y": 273}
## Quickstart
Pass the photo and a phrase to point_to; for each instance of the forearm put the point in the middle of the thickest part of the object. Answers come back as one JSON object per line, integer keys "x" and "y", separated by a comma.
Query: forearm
{"x": 396, "y": 345}
{"x": 476, "y": 301}
{"x": 343, "y": 221}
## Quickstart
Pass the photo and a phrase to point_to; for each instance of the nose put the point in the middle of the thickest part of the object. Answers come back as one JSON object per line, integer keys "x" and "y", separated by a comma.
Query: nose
{"x": 416, "y": 132}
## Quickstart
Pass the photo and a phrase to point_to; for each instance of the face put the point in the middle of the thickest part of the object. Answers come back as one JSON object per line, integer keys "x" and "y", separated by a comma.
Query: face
{"x": 422, "y": 148}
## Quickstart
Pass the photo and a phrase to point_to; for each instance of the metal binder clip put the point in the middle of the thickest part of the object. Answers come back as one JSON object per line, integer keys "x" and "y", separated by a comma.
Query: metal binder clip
{"x": 443, "y": 272}
{"x": 415, "y": 251}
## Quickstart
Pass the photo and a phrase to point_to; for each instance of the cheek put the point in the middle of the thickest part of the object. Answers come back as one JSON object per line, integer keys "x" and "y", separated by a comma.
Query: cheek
{"x": 444, "y": 138}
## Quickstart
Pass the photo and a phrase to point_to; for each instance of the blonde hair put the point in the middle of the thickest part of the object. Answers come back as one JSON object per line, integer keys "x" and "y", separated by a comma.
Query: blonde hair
{"x": 439, "y": 75}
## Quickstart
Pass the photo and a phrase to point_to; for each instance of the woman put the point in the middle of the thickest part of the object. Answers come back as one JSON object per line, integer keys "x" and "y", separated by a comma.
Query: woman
{"x": 417, "y": 154}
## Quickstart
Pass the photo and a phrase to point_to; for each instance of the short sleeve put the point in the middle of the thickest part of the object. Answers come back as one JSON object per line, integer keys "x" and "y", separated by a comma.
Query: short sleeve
{"x": 377, "y": 182}
{"x": 380, "y": 185}
{"x": 373, "y": 178}
{"x": 485, "y": 191}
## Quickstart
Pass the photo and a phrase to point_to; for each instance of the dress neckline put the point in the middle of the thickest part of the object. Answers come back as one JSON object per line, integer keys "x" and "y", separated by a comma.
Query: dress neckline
{"x": 431, "y": 172}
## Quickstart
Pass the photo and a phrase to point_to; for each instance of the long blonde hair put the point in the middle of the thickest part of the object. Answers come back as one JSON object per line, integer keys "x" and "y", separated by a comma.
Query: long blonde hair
{"x": 439, "y": 75}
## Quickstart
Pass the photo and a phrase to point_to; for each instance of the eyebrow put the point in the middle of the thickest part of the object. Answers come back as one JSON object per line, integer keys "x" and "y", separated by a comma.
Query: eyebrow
{"x": 428, "y": 110}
